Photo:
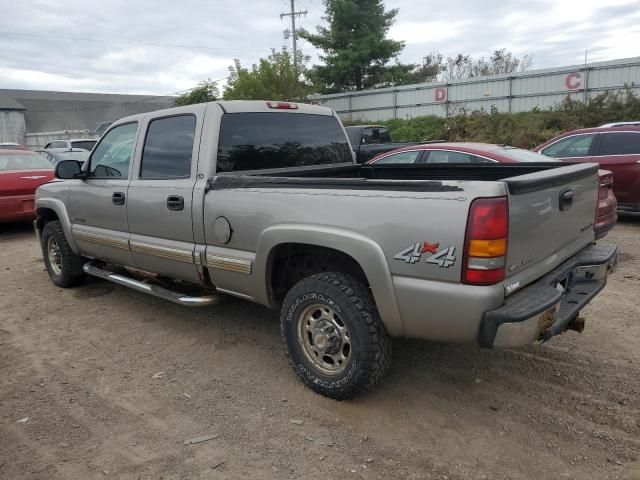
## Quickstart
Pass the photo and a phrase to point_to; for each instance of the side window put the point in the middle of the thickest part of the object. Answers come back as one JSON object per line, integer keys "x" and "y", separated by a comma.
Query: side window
{"x": 444, "y": 156}
{"x": 402, "y": 157}
{"x": 168, "y": 147}
{"x": 576, "y": 146}
{"x": 620, "y": 143}
{"x": 112, "y": 155}
{"x": 375, "y": 135}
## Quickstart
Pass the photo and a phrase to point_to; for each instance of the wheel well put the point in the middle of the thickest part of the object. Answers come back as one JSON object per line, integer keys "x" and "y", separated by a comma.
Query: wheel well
{"x": 45, "y": 215}
{"x": 291, "y": 262}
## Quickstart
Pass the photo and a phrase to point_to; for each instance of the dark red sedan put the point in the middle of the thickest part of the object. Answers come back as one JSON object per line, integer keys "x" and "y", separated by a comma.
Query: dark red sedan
{"x": 614, "y": 148}
{"x": 478, "y": 153}
{"x": 21, "y": 172}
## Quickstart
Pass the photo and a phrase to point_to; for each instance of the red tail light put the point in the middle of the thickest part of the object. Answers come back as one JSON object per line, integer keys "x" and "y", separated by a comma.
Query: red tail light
{"x": 282, "y": 105}
{"x": 485, "y": 246}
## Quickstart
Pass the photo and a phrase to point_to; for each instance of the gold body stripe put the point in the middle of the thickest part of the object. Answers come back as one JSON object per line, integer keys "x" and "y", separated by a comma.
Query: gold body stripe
{"x": 230, "y": 264}
{"x": 238, "y": 265}
{"x": 178, "y": 255}
{"x": 113, "y": 242}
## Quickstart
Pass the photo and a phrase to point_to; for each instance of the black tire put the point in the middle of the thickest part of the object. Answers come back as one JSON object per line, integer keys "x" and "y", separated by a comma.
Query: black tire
{"x": 369, "y": 349}
{"x": 66, "y": 271}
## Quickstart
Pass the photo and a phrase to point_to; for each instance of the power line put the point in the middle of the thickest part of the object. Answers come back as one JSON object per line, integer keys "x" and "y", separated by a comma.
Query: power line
{"x": 126, "y": 42}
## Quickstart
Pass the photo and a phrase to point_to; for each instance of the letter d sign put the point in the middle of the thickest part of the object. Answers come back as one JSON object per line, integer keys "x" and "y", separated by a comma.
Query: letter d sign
{"x": 441, "y": 94}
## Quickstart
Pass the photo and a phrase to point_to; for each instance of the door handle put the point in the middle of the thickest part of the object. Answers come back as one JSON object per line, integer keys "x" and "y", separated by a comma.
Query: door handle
{"x": 118, "y": 198}
{"x": 175, "y": 202}
{"x": 566, "y": 199}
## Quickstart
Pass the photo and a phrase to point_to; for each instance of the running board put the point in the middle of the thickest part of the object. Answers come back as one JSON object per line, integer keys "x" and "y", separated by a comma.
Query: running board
{"x": 155, "y": 290}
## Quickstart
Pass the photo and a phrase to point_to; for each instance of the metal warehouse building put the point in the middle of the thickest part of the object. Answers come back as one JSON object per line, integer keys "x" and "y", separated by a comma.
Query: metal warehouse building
{"x": 515, "y": 92}
{"x": 36, "y": 117}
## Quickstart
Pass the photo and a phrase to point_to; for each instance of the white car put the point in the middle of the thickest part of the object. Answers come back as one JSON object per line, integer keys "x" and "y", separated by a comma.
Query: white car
{"x": 621, "y": 124}
{"x": 83, "y": 143}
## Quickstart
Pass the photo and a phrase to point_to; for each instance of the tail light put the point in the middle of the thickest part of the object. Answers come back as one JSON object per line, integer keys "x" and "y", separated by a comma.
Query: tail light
{"x": 282, "y": 105}
{"x": 485, "y": 246}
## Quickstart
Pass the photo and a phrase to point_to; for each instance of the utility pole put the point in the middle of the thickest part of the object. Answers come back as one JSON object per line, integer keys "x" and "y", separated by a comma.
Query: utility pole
{"x": 294, "y": 33}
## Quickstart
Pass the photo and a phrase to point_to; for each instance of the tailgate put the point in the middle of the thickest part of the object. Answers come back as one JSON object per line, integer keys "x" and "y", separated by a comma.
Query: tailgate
{"x": 551, "y": 217}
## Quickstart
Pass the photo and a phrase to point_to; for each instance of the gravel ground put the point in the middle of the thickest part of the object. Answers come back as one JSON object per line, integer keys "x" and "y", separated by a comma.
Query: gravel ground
{"x": 112, "y": 383}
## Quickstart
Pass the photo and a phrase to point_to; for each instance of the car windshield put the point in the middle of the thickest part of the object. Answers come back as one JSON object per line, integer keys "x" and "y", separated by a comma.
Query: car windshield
{"x": 521, "y": 155}
{"x": 25, "y": 161}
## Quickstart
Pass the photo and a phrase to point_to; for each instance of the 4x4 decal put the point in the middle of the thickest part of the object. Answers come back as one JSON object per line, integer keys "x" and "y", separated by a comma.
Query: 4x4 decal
{"x": 444, "y": 258}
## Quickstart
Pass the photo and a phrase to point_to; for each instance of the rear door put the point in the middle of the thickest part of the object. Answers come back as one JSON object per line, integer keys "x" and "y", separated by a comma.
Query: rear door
{"x": 551, "y": 217}
{"x": 619, "y": 152}
{"x": 160, "y": 205}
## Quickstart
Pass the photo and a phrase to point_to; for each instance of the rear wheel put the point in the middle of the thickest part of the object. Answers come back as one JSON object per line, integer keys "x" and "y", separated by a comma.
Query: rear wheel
{"x": 334, "y": 336}
{"x": 64, "y": 266}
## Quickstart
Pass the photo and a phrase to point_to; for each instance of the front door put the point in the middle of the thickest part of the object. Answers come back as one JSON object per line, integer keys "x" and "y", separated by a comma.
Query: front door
{"x": 161, "y": 198}
{"x": 98, "y": 205}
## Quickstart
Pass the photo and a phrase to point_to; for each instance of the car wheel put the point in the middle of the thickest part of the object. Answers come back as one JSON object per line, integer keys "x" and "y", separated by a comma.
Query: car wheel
{"x": 64, "y": 266}
{"x": 333, "y": 335}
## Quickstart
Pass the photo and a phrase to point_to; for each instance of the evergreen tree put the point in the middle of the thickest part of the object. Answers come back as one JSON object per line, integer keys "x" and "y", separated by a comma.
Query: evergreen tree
{"x": 356, "y": 50}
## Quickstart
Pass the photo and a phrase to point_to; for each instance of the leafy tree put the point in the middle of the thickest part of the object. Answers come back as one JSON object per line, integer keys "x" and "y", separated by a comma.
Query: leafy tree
{"x": 500, "y": 62}
{"x": 204, "y": 92}
{"x": 272, "y": 78}
{"x": 356, "y": 50}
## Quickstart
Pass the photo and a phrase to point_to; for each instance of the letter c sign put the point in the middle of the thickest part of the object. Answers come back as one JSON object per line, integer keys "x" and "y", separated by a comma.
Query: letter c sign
{"x": 572, "y": 81}
{"x": 440, "y": 94}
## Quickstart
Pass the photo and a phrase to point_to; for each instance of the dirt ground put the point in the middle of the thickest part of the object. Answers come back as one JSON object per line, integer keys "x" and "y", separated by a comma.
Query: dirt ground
{"x": 112, "y": 383}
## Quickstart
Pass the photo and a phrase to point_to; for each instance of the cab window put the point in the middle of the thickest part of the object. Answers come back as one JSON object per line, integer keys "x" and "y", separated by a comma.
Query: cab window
{"x": 112, "y": 156}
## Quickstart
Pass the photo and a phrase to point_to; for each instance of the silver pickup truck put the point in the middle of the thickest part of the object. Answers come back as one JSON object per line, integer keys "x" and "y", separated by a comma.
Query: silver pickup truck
{"x": 263, "y": 200}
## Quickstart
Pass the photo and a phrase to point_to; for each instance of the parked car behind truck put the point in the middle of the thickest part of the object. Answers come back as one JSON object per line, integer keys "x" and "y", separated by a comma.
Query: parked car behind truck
{"x": 615, "y": 148}
{"x": 263, "y": 200}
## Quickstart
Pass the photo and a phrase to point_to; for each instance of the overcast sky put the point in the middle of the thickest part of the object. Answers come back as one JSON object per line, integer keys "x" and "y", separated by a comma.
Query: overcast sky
{"x": 555, "y": 32}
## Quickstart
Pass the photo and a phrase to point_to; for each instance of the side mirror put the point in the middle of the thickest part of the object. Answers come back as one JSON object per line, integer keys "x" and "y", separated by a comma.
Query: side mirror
{"x": 68, "y": 169}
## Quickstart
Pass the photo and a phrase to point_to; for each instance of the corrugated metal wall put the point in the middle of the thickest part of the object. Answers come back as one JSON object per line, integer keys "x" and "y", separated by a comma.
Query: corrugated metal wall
{"x": 12, "y": 126}
{"x": 516, "y": 92}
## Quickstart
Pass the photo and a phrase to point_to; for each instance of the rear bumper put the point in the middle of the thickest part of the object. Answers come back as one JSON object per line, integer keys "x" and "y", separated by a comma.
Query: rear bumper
{"x": 547, "y": 307}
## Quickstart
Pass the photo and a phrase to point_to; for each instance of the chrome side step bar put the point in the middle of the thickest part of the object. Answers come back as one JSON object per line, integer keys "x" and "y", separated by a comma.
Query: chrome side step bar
{"x": 155, "y": 290}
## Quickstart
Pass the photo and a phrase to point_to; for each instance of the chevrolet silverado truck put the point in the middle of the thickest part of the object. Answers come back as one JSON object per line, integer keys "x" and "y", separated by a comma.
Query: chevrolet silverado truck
{"x": 369, "y": 141}
{"x": 264, "y": 201}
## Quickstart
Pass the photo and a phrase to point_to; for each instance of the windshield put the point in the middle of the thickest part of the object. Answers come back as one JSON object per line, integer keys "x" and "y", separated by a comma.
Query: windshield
{"x": 25, "y": 161}
{"x": 521, "y": 155}
{"x": 255, "y": 141}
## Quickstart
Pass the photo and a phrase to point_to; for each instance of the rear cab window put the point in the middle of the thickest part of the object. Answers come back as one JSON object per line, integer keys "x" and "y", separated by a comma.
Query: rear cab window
{"x": 84, "y": 144}
{"x": 265, "y": 140}
{"x": 375, "y": 135}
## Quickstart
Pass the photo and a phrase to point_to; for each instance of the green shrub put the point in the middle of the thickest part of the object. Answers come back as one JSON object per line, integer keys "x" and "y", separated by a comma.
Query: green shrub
{"x": 522, "y": 129}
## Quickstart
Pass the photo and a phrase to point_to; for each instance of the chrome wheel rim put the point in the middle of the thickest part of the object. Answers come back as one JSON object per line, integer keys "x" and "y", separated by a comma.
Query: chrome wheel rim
{"x": 53, "y": 253}
{"x": 324, "y": 339}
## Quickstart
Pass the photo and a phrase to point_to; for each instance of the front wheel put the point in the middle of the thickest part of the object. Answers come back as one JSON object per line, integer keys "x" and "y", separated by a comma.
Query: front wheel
{"x": 64, "y": 266}
{"x": 333, "y": 335}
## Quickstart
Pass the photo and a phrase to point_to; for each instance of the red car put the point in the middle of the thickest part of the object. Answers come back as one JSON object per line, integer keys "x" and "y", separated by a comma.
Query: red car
{"x": 21, "y": 172}
{"x": 477, "y": 153}
{"x": 614, "y": 148}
